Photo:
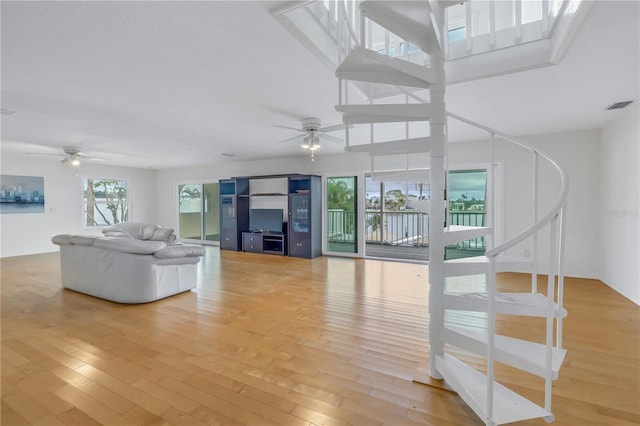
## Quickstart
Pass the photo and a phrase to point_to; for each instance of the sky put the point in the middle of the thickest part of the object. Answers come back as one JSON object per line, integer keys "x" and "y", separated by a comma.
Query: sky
{"x": 470, "y": 183}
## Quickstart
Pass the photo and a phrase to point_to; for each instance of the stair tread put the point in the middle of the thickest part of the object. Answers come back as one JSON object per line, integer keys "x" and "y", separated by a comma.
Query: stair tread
{"x": 367, "y": 65}
{"x": 480, "y": 265}
{"x": 526, "y": 304}
{"x": 384, "y": 113}
{"x": 402, "y": 146}
{"x": 458, "y": 233}
{"x": 407, "y": 19}
{"x": 522, "y": 354}
{"x": 470, "y": 384}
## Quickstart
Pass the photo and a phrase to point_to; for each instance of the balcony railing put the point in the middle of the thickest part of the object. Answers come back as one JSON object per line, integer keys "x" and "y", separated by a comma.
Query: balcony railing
{"x": 341, "y": 226}
{"x": 410, "y": 228}
{"x": 469, "y": 218}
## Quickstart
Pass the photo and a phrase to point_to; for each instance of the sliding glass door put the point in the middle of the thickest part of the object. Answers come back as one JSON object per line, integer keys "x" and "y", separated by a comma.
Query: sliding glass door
{"x": 341, "y": 214}
{"x": 397, "y": 219}
{"x": 467, "y": 191}
{"x": 198, "y": 212}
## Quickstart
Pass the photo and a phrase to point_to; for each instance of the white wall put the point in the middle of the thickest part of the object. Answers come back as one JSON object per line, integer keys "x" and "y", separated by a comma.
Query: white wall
{"x": 29, "y": 233}
{"x": 578, "y": 151}
{"x": 619, "y": 215}
{"x": 168, "y": 179}
{"x": 602, "y": 225}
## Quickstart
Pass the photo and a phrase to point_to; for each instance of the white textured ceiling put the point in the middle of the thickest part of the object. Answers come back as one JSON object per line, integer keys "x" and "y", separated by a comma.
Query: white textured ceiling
{"x": 171, "y": 84}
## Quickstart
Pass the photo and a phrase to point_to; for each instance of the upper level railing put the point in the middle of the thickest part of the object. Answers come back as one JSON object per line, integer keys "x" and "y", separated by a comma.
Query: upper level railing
{"x": 472, "y": 27}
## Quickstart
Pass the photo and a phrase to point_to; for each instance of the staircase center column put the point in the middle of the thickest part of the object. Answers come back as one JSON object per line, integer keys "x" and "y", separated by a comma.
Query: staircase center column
{"x": 437, "y": 204}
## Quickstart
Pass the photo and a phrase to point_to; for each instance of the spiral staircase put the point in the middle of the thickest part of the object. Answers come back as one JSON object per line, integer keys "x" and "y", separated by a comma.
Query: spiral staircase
{"x": 381, "y": 77}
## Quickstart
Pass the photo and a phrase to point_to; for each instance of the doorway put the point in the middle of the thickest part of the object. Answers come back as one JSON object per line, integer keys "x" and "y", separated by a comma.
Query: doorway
{"x": 397, "y": 219}
{"x": 467, "y": 203}
{"x": 198, "y": 212}
{"x": 341, "y": 214}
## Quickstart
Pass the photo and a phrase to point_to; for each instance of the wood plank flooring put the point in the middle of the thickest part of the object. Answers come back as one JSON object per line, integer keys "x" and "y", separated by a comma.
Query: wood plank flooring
{"x": 269, "y": 340}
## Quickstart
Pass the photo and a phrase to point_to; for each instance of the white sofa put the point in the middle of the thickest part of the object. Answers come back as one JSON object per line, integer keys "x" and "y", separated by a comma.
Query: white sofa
{"x": 131, "y": 263}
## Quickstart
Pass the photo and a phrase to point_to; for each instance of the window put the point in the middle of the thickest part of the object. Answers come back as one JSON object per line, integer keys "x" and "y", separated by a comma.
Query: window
{"x": 105, "y": 201}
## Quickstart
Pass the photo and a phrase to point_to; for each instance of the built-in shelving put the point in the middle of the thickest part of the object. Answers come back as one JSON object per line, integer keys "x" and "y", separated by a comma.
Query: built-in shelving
{"x": 298, "y": 196}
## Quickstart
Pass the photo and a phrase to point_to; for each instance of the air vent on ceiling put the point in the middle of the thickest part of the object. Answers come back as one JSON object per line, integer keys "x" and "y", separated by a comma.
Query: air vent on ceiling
{"x": 618, "y": 105}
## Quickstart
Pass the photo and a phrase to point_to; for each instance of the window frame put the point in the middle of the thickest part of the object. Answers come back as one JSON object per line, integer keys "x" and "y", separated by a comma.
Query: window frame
{"x": 84, "y": 201}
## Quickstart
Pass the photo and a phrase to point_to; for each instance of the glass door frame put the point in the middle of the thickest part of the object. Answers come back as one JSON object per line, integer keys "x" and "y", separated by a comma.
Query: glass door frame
{"x": 360, "y": 216}
{"x": 201, "y": 182}
{"x": 494, "y": 193}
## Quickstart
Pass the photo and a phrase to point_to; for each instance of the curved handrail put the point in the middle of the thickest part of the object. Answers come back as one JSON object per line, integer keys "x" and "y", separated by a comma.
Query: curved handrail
{"x": 562, "y": 198}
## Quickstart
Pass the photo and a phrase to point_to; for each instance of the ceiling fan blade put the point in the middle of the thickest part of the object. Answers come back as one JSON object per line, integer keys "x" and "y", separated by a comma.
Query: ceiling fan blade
{"x": 297, "y": 137}
{"x": 331, "y": 138}
{"x": 334, "y": 128}
{"x": 287, "y": 127}
{"x": 45, "y": 154}
{"x": 95, "y": 159}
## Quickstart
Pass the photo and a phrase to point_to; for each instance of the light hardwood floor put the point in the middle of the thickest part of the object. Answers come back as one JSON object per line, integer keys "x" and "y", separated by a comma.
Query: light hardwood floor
{"x": 268, "y": 340}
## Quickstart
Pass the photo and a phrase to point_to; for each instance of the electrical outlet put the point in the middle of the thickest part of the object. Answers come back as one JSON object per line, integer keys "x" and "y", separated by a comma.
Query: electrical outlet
{"x": 527, "y": 253}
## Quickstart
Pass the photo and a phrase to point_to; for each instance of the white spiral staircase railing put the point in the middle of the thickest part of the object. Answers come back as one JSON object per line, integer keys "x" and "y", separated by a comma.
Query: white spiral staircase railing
{"x": 378, "y": 75}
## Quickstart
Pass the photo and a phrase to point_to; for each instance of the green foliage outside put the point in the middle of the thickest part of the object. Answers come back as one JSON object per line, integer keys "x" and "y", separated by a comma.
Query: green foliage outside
{"x": 110, "y": 194}
{"x": 339, "y": 195}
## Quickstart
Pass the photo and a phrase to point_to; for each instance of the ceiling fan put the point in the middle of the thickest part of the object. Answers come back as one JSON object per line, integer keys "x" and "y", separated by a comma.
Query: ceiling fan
{"x": 312, "y": 133}
{"x": 72, "y": 156}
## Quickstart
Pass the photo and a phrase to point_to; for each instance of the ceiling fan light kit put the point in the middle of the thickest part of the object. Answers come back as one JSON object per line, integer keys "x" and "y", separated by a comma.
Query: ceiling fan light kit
{"x": 313, "y": 132}
{"x": 71, "y": 156}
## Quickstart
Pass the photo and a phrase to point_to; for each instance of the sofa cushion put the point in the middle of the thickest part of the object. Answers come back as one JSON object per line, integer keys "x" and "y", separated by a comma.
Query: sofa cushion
{"x": 129, "y": 246}
{"x": 139, "y": 231}
{"x": 163, "y": 234}
{"x": 61, "y": 239}
{"x": 78, "y": 240}
{"x": 83, "y": 240}
{"x": 179, "y": 250}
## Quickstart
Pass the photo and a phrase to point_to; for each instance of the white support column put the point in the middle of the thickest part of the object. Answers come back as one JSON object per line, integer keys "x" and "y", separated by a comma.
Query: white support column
{"x": 437, "y": 208}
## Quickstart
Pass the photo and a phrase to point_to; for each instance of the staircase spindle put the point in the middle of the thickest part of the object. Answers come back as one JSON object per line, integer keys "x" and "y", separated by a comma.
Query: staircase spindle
{"x": 560, "y": 290}
{"x": 492, "y": 24}
{"x": 534, "y": 237}
{"x": 518, "y": 26}
{"x": 551, "y": 278}
{"x": 469, "y": 28}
